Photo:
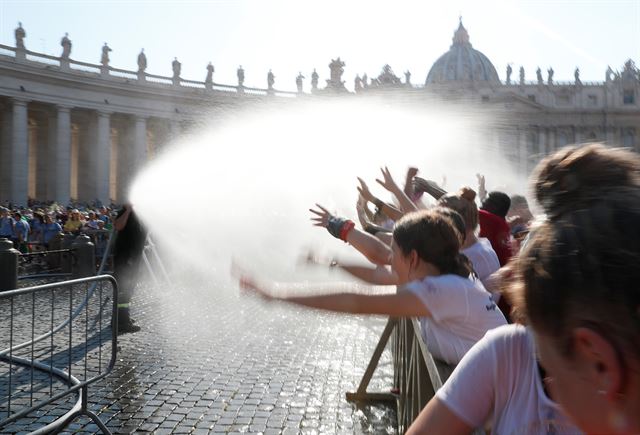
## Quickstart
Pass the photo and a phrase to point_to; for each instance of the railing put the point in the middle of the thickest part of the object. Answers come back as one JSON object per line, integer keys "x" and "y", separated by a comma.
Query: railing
{"x": 44, "y": 368}
{"x": 58, "y": 260}
{"x": 100, "y": 71}
{"x": 417, "y": 375}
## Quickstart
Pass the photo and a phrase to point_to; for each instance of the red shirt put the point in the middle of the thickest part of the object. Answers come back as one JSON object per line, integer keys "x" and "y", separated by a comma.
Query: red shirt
{"x": 497, "y": 230}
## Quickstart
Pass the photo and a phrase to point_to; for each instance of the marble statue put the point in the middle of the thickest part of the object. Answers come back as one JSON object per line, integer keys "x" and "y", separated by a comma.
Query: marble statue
{"x": 20, "y": 35}
{"x": 66, "y": 46}
{"x": 142, "y": 61}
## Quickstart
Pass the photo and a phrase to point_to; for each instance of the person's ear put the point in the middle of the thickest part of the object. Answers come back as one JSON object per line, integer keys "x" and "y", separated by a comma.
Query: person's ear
{"x": 414, "y": 259}
{"x": 602, "y": 364}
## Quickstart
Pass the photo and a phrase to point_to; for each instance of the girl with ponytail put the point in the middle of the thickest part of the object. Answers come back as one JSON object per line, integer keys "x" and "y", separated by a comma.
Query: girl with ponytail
{"x": 434, "y": 285}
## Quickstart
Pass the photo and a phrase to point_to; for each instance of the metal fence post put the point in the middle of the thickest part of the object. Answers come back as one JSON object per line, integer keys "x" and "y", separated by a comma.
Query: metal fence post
{"x": 8, "y": 265}
{"x": 84, "y": 261}
{"x": 65, "y": 257}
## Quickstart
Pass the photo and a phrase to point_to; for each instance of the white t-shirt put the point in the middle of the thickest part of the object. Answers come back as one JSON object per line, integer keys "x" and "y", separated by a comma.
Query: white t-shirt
{"x": 502, "y": 372}
{"x": 462, "y": 311}
{"x": 483, "y": 258}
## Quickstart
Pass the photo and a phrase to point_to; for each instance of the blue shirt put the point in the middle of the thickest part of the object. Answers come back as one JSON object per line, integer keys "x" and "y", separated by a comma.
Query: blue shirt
{"x": 21, "y": 230}
{"x": 50, "y": 230}
{"x": 6, "y": 226}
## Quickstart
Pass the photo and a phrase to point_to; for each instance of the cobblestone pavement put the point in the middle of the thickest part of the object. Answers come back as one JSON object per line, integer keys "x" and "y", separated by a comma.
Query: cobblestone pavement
{"x": 211, "y": 361}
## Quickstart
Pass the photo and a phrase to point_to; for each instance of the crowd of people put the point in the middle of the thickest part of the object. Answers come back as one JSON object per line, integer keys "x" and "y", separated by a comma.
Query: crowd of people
{"x": 32, "y": 229}
{"x": 541, "y": 316}
{"x": 37, "y": 224}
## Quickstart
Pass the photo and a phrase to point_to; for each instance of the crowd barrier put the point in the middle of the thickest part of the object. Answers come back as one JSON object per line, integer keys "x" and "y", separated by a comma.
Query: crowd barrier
{"x": 417, "y": 375}
{"x": 57, "y": 339}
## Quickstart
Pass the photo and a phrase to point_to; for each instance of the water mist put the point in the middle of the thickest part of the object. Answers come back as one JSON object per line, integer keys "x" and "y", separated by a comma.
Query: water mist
{"x": 240, "y": 188}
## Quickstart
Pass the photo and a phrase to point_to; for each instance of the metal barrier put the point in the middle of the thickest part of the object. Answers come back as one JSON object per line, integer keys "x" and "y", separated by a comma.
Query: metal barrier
{"x": 417, "y": 375}
{"x": 45, "y": 368}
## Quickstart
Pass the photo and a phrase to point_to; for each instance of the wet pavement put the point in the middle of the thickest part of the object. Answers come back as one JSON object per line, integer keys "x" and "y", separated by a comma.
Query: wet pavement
{"x": 212, "y": 361}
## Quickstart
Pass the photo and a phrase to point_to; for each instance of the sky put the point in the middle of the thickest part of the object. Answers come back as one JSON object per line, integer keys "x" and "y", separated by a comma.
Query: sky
{"x": 291, "y": 36}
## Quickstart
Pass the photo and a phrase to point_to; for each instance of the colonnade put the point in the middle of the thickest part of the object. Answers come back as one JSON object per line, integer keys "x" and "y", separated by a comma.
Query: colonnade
{"x": 64, "y": 153}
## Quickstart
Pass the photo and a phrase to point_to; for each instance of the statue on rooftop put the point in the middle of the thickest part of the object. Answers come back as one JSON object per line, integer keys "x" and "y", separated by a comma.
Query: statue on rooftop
{"x": 210, "y": 71}
{"x": 314, "y": 80}
{"x": 357, "y": 83}
{"x": 104, "y": 60}
{"x": 610, "y": 74}
{"x": 271, "y": 79}
{"x": 66, "y": 46}
{"x": 299, "y": 79}
{"x": 240, "y": 74}
{"x": 576, "y": 76}
{"x": 20, "y": 35}
{"x": 539, "y": 76}
{"x": 550, "y": 76}
{"x": 521, "y": 76}
{"x": 337, "y": 69}
{"x": 177, "y": 67}
{"x": 407, "y": 77}
{"x": 365, "y": 80}
{"x": 509, "y": 71}
{"x": 142, "y": 61}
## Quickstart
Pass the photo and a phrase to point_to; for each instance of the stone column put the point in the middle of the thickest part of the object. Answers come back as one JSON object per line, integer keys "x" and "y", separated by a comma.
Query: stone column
{"x": 552, "y": 140}
{"x": 5, "y": 152}
{"x": 63, "y": 155}
{"x": 52, "y": 141}
{"x": 523, "y": 155}
{"x": 543, "y": 149}
{"x": 19, "y": 153}
{"x": 174, "y": 129}
{"x": 139, "y": 142}
{"x": 577, "y": 137}
{"x": 42, "y": 161}
{"x": 102, "y": 157}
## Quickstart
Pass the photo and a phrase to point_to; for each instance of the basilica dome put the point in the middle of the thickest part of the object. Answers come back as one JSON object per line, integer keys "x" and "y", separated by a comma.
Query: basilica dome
{"x": 462, "y": 63}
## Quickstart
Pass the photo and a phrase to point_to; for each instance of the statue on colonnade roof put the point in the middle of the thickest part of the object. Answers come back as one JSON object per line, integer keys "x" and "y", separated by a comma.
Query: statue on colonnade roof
{"x": 104, "y": 60}
{"x": 66, "y": 46}
{"x": 142, "y": 61}
{"x": 20, "y": 35}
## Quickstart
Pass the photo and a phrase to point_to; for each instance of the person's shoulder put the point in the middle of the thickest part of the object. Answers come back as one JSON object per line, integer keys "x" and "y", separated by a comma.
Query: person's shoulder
{"x": 450, "y": 282}
{"x": 512, "y": 336}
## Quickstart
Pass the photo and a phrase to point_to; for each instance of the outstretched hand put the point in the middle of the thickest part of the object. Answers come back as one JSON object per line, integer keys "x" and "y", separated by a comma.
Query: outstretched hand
{"x": 364, "y": 191}
{"x": 320, "y": 216}
{"x": 248, "y": 284}
{"x": 420, "y": 184}
{"x": 482, "y": 190}
{"x": 387, "y": 181}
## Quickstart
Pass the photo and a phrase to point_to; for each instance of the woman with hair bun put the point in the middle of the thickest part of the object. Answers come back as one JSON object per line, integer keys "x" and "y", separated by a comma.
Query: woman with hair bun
{"x": 575, "y": 367}
{"x": 578, "y": 283}
{"x": 477, "y": 249}
{"x": 454, "y": 311}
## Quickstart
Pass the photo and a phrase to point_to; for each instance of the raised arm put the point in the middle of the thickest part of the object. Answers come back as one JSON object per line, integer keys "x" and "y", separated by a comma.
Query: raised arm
{"x": 380, "y": 275}
{"x": 370, "y": 246}
{"x": 389, "y": 183}
{"x": 387, "y": 209}
{"x": 121, "y": 221}
{"x": 408, "y": 181}
{"x": 403, "y": 304}
{"x": 365, "y": 217}
{"x": 428, "y": 186}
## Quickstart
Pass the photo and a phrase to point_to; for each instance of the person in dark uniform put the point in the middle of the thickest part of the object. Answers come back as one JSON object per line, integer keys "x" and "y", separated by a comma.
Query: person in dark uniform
{"x": 127, "y": 254}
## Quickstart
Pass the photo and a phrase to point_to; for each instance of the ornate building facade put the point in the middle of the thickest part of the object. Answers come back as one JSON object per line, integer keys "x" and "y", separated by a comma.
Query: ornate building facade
{"x": 75, "y": 130}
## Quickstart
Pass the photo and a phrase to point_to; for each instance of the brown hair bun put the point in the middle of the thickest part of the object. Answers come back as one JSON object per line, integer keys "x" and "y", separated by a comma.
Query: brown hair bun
{"x": 467, "y": 193}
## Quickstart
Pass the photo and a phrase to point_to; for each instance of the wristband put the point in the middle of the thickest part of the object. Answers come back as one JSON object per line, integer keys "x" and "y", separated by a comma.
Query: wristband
{"x": 339, "y": 227}
{"x": 348, "y": 226}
